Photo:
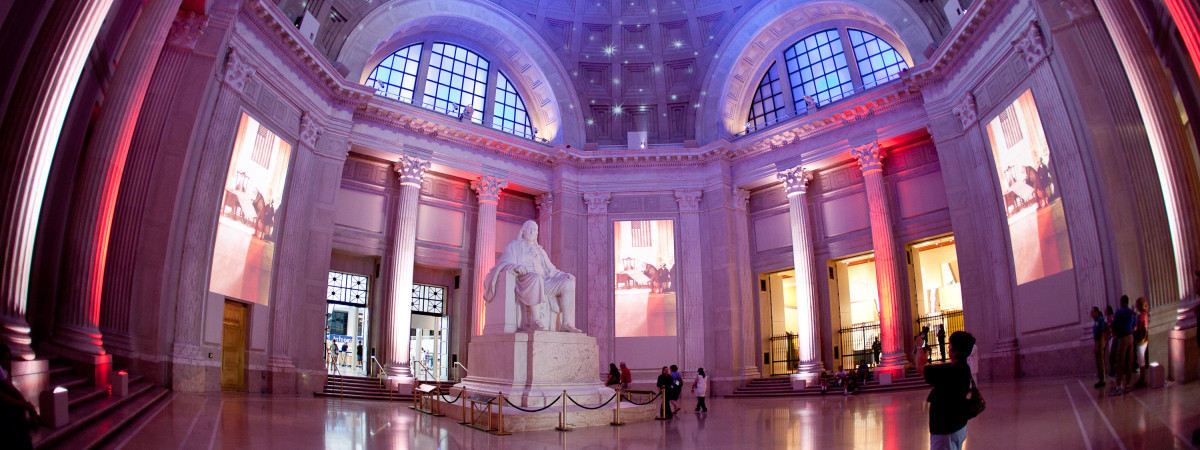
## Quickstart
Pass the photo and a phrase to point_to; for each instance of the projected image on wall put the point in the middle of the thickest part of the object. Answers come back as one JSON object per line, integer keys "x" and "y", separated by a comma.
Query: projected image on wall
{"x": 244, "y": 250}
{"x": 1036, "y": 222}
{"x": 645, "y": 278}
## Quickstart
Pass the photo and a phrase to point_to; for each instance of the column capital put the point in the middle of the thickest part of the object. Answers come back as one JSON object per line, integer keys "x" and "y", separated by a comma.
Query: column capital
{"x": 597, "y": 202}
{"x": 965, "y": 110}
{"x": 237, "y": 70}
{"x": 795, "y": 181}
{"x": 1078, "y": 9}
{"x": 870, "y": 157}
{"x": 488, "y": 188}
{"x": 412, "y": 171}
{"x": 1031, "y": 45}
{"x": 688, "y": 199}
{"x": 186, "y": 29}
{"x": 741, "y": 198}
{"x": 310, "y": 131}
{"x": 545, "y": 202}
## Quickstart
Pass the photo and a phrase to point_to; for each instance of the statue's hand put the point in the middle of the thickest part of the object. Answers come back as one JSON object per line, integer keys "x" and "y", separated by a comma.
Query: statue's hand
{"x": 520, "y": 270}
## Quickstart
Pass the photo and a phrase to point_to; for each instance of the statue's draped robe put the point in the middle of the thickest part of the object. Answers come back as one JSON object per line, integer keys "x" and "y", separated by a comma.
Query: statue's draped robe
{"x": 542, "y": 282}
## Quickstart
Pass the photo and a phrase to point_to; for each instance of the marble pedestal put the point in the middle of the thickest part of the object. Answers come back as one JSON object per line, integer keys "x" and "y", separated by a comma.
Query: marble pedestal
{"x": 532, "y": 369}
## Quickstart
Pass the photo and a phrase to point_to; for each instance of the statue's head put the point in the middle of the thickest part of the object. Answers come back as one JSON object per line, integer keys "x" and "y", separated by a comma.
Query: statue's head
{"x": 529, "y": 231}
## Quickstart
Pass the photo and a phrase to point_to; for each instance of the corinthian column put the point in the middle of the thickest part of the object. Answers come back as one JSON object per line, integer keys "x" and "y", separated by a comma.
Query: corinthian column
{"x": 99, "y": 180}
{"x": 691, "y": 278}
{"x": 887, "y": 270}
{"x": 488, "y": 188}
{"x": 746, "y": 284}
{"x": 796, "y": 185}
{"x": 32, "y": 125}
{"x": 404, "y": 251}
{"x": 599, "y": 308}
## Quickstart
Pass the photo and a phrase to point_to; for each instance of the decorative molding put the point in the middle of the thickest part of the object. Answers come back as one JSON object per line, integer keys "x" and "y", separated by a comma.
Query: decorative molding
{"x": 741, "y": 199}
{"x": 186, "y": 29}
{"x": 488, "y": 188}
{"x": 870, "y": 157}
{"x": 237, "y": 70}
{"x": 310, "y": 132}
{"x": 688, "y": 199}
{"x": 1077, "y": 9}
{"x": 597, "y": 202}
{"x": 412, "y": 172}
{"x": 795, "y": 181}
{"x": 965, "y": 110}
{"x": 545, "y": 203}
{"x": 1031, "y": 45}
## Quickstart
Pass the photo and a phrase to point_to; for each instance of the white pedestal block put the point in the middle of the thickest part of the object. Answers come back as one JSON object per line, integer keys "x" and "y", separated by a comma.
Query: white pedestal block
{"x": 798, "y": 382}
{"x": 1156, "y": 375}
{"x": 53, "y": 407}
{"x": 885, "y": 378}
{"x": 533, "y": 369}
{"x": 120, "y": 386}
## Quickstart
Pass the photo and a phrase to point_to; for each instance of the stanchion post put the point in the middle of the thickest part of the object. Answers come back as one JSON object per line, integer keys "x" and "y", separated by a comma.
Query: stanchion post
{"x": 463, "y": 395}
{"x": 662, "y": 411}
{"x": 562, "y": 418}
{"x": 500, "y": 412}
{"x": 617, "y": 412}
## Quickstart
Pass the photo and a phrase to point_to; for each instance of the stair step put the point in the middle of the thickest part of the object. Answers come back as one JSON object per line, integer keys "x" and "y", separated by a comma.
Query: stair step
{"x": 87, "y": 413}
{"x": 115, "y": 420}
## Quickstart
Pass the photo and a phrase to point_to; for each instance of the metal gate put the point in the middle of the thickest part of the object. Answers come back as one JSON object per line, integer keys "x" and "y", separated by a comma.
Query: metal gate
{"x": 785, "y": 355}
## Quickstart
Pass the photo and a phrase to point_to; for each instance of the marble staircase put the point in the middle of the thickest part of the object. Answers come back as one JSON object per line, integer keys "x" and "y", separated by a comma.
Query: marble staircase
{"x": 781, "y": 387}
{"x": 96, "y": 415}
{"x": 367, "y": 388}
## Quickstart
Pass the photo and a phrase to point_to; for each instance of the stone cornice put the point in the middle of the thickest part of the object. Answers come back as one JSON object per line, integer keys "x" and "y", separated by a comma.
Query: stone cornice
{"x": 964, "y": 36}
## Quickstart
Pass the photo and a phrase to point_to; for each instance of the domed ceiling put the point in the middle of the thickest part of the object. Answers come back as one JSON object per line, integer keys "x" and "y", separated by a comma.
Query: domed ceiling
{"x": 637, "y": 65}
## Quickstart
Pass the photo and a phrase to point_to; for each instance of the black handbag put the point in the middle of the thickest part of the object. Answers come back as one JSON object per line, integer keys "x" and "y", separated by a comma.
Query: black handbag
{"x": 975, "y": 402}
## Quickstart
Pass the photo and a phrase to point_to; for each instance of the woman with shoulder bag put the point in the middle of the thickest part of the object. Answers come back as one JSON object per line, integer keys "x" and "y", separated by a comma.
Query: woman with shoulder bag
{"x": 1141, "y": 339}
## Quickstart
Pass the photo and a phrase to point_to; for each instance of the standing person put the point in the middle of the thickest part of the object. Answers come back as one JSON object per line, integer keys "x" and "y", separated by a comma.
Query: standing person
{"x": 676, "y": 388}
{"x": 877, "y": 348}
{"x": 14, "y": 409}
{"x": 614, "y": 376}
{"x": 626, "y": 377}
{"x": 359, "y": 353}
{"x": 665, "y": 385}
{"x": 1100, "y": 336}
{"x": 700, "y": 390}
{"x": 345, "y": 354}
{"x": 1122, "y": 328}
{"x": 941, "y": 337}
{"x": 333, "y": 355}
{"x": 1112, "y": 342}
{"x": 948, "y": 400}
{"x": 1141, "y": 338}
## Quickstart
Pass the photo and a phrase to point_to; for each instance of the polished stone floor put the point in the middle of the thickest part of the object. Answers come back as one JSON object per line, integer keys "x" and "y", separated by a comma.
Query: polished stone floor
{"x": 1060, "y": 413}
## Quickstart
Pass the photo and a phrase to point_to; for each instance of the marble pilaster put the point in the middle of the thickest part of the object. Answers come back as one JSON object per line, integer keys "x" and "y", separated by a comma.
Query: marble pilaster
{"x": 804, "y": 260}
{"x": 404, "y": 247}
{"x": 34, "y": 122}
{"x": 599, "y": 306}
{"x": 488, "y": 188}
{"x": 691, "y": 278}
{"x": 887, "y": 269}
{"x": 746, "y": 283}
{"x": 545, "y": 207}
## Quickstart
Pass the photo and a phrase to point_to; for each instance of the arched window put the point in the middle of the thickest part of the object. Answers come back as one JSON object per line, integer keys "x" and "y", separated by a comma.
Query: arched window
{"x": 396, "y": 76}
{"x": 878, "y": 62}
{"x": 817, "y": 68}
{"x": 457, "y": 78}
{"x": 768, "y": 101}
{"x": 510, "y": 113}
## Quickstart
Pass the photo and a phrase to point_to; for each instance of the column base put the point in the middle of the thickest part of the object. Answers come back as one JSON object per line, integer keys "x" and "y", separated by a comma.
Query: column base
{"x": 79, "y": 340}
{"x": 31, "y": 378}
{"x": 281, "y": 375}
{"x": 751, "y": 372}
{"x": 400, "y": 378}
{"x": 895, "y": 364}
{"x": 809, "y": 372}
{"x": 1183, "y": 355}
{"x": 14, "y": 332}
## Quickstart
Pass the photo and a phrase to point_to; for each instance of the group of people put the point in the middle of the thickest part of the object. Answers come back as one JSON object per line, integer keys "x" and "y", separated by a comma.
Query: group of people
{"x": 620, "y": 378}
{"x": 1122, "y": 340}
{"x": 670, "y": 382}
{"x": 849, "y": 381}
{"x": 336, "y": 356}
{"x": 921, "y": 341}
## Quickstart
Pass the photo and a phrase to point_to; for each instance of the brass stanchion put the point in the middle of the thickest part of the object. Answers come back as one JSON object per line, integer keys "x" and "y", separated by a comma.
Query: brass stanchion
{"x": 464, "y": 418}
{"x": 617, "y": 412}
{"x": 662, "y": 412}
{"x": 562, "y": 418}
{"x": 500, "y": 413}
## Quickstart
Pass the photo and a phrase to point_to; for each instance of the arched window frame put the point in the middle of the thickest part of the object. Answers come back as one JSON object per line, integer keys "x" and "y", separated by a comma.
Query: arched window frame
{"x": 768, "y": 104}
{"x": 483, "y": 116}
{"x": 842, "y": 27}
{"x": 505, "y": 99}
{"x": 384, "y": 76}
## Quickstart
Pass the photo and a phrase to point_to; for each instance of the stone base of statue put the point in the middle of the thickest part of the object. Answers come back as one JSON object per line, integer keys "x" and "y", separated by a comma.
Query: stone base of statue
{"x": 532, "y": 370}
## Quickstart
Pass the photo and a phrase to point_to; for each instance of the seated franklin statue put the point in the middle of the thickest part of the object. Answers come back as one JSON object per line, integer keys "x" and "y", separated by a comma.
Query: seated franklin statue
{"x": 538, "y": 282}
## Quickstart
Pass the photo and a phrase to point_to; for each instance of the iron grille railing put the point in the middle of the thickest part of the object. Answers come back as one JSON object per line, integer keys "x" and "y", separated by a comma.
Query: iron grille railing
{"x": 856, "y": 345}
{"x": 950, "y": 322}
{"x": 785, "y": 355}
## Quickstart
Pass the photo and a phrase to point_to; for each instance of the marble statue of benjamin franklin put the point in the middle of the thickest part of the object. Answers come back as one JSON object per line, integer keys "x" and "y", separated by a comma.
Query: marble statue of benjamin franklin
{"x": 538, "y": 282}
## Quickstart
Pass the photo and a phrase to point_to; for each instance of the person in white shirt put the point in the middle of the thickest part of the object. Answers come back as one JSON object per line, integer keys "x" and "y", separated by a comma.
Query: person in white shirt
{"x": 700, "y": 389}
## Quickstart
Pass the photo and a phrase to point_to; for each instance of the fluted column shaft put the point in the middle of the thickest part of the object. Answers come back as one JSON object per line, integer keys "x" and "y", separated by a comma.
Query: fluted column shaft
{"x": 887, "y": 269}
{"x": 32, "y": 125}
{"x": 803, "y": 257}
{"x": 488, "y": 188}
{"x": 600, "y": 313}
{"x": 404, "y": 252}
{"x": 748, "y": 303}
{"x": 99, "y": 180}
{"x": 1187, "y": 19}
{"x": 691, "y": 277}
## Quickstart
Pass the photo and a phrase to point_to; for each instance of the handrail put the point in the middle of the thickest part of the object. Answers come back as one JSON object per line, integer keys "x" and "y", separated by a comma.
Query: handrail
{"x": 425, "y": 369}
{"x": 382, "y": 377}
{"x": 464, "y": 368}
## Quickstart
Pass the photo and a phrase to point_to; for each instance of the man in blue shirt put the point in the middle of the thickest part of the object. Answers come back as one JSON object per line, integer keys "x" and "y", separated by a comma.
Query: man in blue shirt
{"x": 1122, "y": 329}
{"x": 1100, "y": 335}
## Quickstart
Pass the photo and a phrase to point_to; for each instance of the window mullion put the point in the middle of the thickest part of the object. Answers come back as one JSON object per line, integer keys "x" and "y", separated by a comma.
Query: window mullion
{"x": 422, "y": 73}
{"x": 851, "y": 60}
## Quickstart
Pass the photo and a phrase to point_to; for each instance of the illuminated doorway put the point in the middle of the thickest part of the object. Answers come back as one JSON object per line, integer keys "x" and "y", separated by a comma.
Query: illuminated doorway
{"x": 428, "y": 344}
{"x": 347, "y": 320}
{"x": 854, "y": 310}
{"x": 782, "y": 321}
{"x": 935, "y": 282}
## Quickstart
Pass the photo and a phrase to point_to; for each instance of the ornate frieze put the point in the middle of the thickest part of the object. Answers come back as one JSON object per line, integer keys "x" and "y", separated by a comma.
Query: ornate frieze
{"x": 186, "y": 29}
{"x": 795, "y": 181}
{"x": 965, "y": 110}
{"x": 688, "y": 199}
{"x": 741, "y": 198}
{"x": 488, "y": 188}
{"x": 412, "y": 172}
{"x": 870, "y": 157}
{"x": 237, "y": 70}
{"x": 310, "y": 132}
{"x": 1031, "y": 45}
{"x": 597, "y": 202}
